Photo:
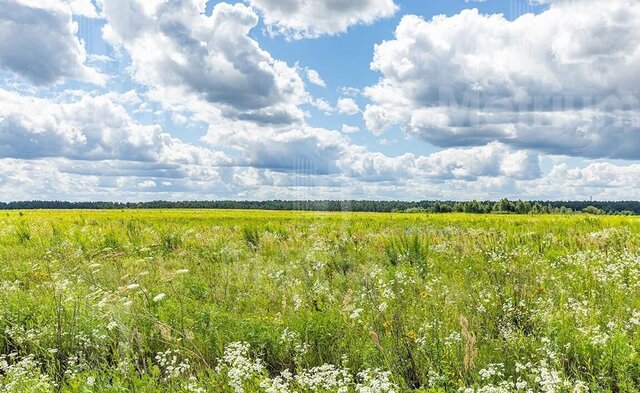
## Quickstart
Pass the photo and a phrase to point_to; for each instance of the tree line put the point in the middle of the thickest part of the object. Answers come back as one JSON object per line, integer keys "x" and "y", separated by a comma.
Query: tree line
{"x": 504, "y": 206}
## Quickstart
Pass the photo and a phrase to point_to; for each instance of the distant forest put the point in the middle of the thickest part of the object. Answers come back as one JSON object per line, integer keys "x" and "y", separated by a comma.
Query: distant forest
{"x": 503, "y": 206}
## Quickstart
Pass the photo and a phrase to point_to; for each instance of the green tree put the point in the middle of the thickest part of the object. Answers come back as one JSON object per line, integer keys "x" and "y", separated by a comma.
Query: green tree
{"x": 593, "y": 210}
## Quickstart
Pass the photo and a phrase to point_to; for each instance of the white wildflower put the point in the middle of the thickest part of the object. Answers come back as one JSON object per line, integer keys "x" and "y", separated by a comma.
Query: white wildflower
{"x": 158, "y": 297}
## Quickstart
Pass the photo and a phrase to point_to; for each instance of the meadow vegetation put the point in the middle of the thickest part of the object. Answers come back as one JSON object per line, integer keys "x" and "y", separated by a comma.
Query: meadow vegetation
{"x": 260, "y": 301}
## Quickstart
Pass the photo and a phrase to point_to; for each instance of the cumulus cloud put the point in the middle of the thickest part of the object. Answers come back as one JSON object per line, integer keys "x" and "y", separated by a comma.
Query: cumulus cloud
{"x": 322, "y": 105}
{"x": 314, "y": 77}
{"x": 347, "y": 129}
{"x": 562, "y": 82}
{"x": 492, "y": 93}
{"x": 88, "y": 128}
{"x": 38, "y": 42}
{"x": 147, "y": 184}
{"x": 83, "y": 8}
{"x": 182, "y": 55}
{"x": 318, "y": 151}
{"x": 602, "y": 175}
{"x": 493, "y": 160}
{"x": 348, "y": 106}
{"x": 298, "y": 19}
{"x": 349, "y": 91}
{"x": 286, "y": 150}
{"x": 64, "y": 179}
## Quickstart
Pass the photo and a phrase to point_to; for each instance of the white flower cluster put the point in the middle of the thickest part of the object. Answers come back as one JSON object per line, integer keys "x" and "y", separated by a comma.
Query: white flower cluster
{"x": 279, "y": 384}
{"x": 324, "y": 378}
{"x": 171, "y": 365}
{"x": 240, "y": 369}
{"x": 492, "y": 370}
{"x": 292, "y": 341}
{"x": 375, "y": 381}
{"x": 238, "y": 366}
{"x": 28, "y": 337}
{"x": 538, "y": 377}
{"x": 21, "y": 375}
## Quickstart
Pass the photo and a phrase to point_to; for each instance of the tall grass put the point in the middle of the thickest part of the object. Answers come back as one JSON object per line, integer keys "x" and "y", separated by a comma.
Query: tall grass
{"x": 230, "y": 301}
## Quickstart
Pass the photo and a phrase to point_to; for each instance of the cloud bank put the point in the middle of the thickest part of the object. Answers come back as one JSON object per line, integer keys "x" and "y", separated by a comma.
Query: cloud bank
{"x": 38, "y": 41}
{"x": 299, "y": 19}
{"x": 547, "y": 82}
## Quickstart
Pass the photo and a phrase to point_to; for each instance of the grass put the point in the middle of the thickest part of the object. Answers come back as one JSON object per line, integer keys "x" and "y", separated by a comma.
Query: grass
{"x": 258, "y": 301}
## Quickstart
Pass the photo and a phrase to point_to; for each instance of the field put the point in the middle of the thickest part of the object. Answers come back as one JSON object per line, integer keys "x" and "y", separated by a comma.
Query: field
{"x": 257, "y": 301}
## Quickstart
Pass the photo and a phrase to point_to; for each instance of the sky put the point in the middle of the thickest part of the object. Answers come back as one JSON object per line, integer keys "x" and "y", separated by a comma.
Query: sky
{"x": 137, "y": 100}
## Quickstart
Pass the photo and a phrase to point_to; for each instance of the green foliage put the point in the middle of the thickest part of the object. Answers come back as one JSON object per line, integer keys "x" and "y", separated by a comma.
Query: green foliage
{"x": 410, "y": 248}
{"x": 593, "y": 210}
{"x": 251, "y": 236}
{"x": 22, "y": 232}
{"x": 170, "y": 240}
{"x": 200, "y": 300}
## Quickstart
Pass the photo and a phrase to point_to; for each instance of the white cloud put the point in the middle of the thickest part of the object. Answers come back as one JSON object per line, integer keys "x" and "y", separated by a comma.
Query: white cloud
{"x": 282, "y": 149}
{"x": 562, "y": 82}
{"x": 147, "y": 184}
{"x": 322, "y": 105}
{"x": 361, "y": 174}
{"x": 88, "y": 128}
{"x": 314, "y": 77}
{"x": 63, "y": 179}
{"x": 347, "y": 129}
{"x": 598, "y": 175}
{"x": 298, "y": 19}
{"x": 494, "y": 160}
{"x": 481, "y": 87}
{"x": 38, "y": 41}
{"x": 348, "y": 106}
{"x": 207, "y": 62}
{"x": 349, "y": 91}
{"x": 83, "y": 8}
{"x": 599, "y": 180}
{"x": 320, "y": 151}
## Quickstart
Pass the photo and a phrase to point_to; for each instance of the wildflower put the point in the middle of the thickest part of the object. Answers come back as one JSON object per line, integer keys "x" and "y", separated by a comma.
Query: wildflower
{"x": 297, "y": 302}
{"x": 238, "y": 366}
{"x": 91, "y": 381}
{"x": 375, "y": 381}
{"x": 355, "y": 314}
{"x": 492, "y": 370}
{"x": 193, "y": 387}
{"x": 279, "y": 384}
{"x": 171, "y": 364}
{"x": 326, "y": 377}
{"x": 158, "y": 297}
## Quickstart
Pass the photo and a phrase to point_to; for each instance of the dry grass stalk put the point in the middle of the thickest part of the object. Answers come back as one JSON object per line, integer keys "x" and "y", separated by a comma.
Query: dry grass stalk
{"x": 376, "y": 340}
{"x": 470, "y": 349}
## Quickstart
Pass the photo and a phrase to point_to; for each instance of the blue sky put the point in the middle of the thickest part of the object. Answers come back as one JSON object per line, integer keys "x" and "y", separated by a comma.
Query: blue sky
{"x": 371, "y": 99}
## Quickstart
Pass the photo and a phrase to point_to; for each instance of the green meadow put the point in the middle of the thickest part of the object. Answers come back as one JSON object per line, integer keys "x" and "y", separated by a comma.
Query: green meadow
{"x": 258, "y": 301}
